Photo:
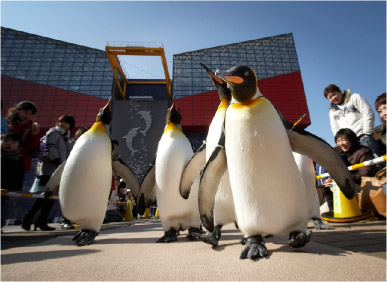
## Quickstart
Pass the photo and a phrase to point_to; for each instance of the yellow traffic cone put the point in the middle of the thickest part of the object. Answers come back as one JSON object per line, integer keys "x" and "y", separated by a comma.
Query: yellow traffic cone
{"x": 157, "y": 213}
{"x": 128, "y": 211}
{"x": 344, "y": 210}
{"x": 146, "y": 213}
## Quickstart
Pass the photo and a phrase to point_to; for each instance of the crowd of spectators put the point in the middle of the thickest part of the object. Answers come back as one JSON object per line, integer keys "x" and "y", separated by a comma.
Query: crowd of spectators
{"x": 23, "y": 142}
{"x": 358, "y": 140}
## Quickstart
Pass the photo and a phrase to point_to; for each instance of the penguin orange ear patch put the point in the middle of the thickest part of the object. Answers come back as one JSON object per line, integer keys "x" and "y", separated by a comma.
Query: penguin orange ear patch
{"x": 234, "y": 79}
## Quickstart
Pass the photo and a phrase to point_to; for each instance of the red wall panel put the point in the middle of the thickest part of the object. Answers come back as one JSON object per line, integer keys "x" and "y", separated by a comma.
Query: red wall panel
{"x": 51, "y": 102}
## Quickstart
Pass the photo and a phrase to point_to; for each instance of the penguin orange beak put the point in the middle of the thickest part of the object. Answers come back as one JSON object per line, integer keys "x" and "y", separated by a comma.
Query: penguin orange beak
{"x": 230, "y": 78}
{"x": 173, "y": 105}
{"x": 214, "y": 78}
{"x": 108, "y": 106}
{"x": 104, "y": 114}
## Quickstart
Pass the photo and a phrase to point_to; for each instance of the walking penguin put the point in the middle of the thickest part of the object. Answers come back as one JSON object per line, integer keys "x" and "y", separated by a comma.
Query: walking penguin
{"x": 173, "y": 153}
{"x": 86, "y": 180}
{"x": 256, "y": 148}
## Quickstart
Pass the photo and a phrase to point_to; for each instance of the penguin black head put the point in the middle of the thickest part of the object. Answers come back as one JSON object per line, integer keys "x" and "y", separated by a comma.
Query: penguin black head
{"x": 223, "y": 91}
{"x": 173, "y": 114}
{"x": 104, "y": 114}
{"x": 242, "y": 81}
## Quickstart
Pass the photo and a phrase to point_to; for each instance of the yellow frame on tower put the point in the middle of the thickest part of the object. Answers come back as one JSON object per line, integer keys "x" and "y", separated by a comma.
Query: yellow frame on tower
{"x": 112, "y": 53}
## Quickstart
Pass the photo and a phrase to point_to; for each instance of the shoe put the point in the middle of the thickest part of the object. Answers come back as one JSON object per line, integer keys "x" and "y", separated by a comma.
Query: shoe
{"x": 27, "y": 221}
{"x": 43, "y": 226}
{"x": 67, "y": 225}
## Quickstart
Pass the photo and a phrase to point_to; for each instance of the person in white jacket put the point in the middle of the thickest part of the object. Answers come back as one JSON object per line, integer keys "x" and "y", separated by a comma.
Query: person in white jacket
{"x": 351, "y": 111}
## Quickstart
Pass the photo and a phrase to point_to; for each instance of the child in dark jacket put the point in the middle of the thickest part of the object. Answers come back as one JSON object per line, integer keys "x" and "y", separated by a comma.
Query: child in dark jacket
{"x": 12, "y": 172}
{"x": 12, "y": 164}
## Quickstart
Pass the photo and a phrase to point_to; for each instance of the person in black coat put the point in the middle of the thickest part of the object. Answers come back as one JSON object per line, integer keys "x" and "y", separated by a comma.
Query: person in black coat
{"x": 12, "y": 165}
{"x": 12, "y": 171}
{"x": 352, "y": 153}
{"x": 350, "y": 150}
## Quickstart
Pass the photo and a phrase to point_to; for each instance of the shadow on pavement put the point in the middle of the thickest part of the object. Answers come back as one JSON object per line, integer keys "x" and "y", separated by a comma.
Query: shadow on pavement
{"x": 42, "y": 256}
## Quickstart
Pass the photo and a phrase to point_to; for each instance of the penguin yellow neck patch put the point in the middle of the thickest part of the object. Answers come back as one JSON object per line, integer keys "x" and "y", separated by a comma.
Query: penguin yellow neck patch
{"x": 223, "y": 105}
{"x": 171, "y": 127}
{"x": 248, "y": 103}
{"x": 98, "y": 127}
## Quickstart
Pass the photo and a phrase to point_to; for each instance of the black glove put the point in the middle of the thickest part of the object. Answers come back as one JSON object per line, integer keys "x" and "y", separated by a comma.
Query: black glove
{"x": 56, "y": 162}
{"x": 47, "y": 194}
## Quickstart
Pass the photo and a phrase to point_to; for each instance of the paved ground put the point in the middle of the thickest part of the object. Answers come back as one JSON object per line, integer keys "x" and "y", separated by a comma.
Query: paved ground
{"x": 127, "y": 252}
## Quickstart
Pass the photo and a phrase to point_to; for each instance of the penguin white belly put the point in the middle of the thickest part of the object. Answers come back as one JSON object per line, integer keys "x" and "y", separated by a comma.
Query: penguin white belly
{"x": 86, "y": 181}
{"x": 306, "y": 168}
{"x": 173, "y": 153}
{"x": 224, "y": 212}
{"x": 268, "y": 191}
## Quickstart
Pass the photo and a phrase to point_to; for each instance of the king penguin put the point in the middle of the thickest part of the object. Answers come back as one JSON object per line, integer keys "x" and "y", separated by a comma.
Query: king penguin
{"x": 86, "y": 180}
{"x": 224, "y": 212}
{"x": 256, "y": 148}
{"x": 173, "y": 153}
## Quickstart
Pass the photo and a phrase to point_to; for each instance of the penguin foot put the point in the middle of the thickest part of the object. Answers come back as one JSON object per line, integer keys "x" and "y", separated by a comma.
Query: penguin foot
{"x": 211, "y": 238}
{"x": 192, "y": 231}
{"x": 299, "y": 239}
{"x": 244, "y": 240}
{"x": 208, "y": 238}
{"x": 169, "y": 236}
{"x": 217, "y": 231}
{"x": 255, "y": 248}
{"x": 84, "y": 237}
{"x": 320, "y": 225}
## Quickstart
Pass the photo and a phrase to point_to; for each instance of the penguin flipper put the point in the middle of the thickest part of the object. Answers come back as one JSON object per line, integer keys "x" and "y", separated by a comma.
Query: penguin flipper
{"x": 305, "y": 143}
{"x": 192, "y": 170}
{"x": 55, "y": 178}
{"x": 147, "y": 192}
{"x": 209, "y": 182}
{"x": 322, "y": 153}
{"x": 127, "y": 174}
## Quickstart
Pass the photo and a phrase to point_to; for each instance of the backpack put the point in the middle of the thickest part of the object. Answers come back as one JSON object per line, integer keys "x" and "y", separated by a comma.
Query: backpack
{"x": 42, "y": 154}
{"x": 43, "y": 151}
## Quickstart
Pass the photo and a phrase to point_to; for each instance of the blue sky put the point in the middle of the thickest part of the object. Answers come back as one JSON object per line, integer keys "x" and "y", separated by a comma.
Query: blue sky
{"x": 337, "y": 42}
